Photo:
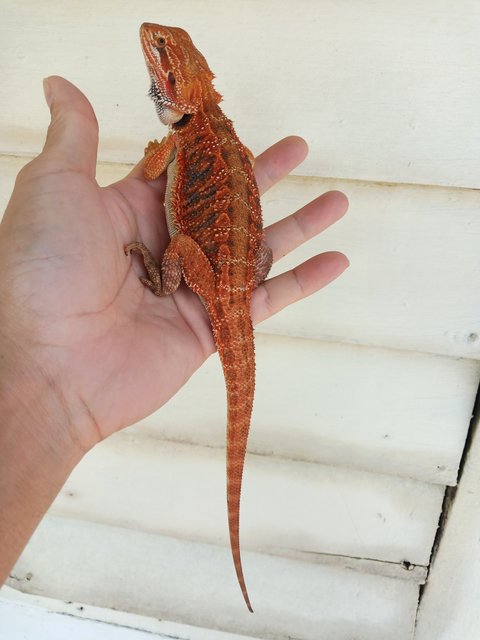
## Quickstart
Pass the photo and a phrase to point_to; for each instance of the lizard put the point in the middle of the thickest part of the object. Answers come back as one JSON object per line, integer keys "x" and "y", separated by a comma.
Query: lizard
{"x": 214, "y": 218}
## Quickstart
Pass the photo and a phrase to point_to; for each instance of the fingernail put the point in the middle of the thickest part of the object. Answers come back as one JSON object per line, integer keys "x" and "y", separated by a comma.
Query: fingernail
{"x": 47, "y": 90}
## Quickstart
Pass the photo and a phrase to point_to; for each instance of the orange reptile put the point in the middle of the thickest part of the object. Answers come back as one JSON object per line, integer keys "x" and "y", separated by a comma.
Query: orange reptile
{"x": 215, "y": 224}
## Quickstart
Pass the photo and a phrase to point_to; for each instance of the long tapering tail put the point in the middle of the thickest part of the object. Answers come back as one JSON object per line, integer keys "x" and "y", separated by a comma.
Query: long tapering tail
{"x": 236, "y": 349}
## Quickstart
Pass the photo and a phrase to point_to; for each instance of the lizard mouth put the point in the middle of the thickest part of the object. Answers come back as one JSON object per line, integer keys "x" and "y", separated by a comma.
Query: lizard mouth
{"x": 169, "y": 111}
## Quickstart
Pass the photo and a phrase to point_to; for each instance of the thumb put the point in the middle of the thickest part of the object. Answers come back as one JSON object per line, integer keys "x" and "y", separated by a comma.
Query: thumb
{"x": 72, "y": 137}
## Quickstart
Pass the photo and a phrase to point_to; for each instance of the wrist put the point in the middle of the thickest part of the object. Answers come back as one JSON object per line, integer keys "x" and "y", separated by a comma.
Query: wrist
{"x": 36, "y": 389}
{"x": 33, "y": 404}
{"x": 38, "y": 450}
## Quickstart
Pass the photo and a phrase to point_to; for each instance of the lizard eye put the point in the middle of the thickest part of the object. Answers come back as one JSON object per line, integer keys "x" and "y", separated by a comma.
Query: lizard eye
{"x": 160, "y": 41}
{"x": 171, "y": 78}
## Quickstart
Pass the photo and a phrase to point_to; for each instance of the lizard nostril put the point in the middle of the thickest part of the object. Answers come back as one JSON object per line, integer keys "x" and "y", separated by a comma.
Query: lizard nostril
{"x": 171, "y": 78}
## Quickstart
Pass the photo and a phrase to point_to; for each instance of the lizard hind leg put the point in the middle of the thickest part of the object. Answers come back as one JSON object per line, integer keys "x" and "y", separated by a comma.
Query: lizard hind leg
{"x": 183, "y": 256}
{"x": 154, "y": 280}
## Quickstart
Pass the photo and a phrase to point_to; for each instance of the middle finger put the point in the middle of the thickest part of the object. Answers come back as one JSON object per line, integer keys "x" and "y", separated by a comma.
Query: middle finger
{"x": 290, "y": 232}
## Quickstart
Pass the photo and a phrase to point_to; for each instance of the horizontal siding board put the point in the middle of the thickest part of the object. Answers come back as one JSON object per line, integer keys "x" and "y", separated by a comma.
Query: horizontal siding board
{"x": 385, "y": 411}
{"x": 414, "y": 280}
{"x": 83, "y": 612}
{"x": 20, "y": 621}
{"x": 179, "y": 490}
{"x": 382, "y": 91}
{"x": 194, "y": 584}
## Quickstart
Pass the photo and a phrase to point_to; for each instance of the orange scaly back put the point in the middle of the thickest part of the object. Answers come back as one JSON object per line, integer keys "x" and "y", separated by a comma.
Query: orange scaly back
{"x": 215, "y": 223}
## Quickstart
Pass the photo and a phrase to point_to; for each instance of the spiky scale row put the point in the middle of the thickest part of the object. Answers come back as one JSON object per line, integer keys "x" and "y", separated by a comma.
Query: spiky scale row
{"x": 215, "y": 222}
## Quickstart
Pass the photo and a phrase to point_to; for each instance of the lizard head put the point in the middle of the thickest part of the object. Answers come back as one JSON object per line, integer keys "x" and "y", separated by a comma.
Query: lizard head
{"x": 181, "y": 78}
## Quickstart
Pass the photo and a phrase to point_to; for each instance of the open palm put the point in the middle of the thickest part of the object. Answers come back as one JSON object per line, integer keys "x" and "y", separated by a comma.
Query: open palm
{"x": 73, "y": 298}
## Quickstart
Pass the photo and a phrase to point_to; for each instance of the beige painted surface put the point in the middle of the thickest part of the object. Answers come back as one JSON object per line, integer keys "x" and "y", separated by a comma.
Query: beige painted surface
{"x": 449, "y": 609}
{"x": 382, "y": 91}
{"x": 33, "y": 617}
{"x": 364, "y": 391}
{"x": 178, "y": 490}
{"x": 193, "y": 583}
{"x": 414, "y": 280}
{"x": 385, "y": 411}
{"x": 30, "y": 621}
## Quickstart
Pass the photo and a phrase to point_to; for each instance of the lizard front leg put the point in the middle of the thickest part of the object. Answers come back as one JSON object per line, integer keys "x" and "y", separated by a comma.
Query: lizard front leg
{"x": 158, "y": 156}
{"x": 184, "y": 257}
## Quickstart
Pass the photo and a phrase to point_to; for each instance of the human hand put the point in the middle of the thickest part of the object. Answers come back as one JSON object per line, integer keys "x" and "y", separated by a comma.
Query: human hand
{"x": 71, "y": 301}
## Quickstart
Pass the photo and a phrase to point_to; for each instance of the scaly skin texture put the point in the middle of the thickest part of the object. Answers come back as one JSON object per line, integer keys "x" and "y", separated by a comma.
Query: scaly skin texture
{"x": 215, "y": 223}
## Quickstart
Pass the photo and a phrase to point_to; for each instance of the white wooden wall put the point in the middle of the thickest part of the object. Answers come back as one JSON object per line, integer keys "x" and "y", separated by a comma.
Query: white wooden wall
{"x": 365, "y": 391}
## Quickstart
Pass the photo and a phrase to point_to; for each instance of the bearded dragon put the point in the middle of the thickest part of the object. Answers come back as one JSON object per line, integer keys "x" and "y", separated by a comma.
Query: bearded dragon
{"x": 214, "y": 220}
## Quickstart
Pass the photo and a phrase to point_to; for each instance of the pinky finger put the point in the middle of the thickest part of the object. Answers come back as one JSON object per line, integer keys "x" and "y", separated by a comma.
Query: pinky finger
{"x": 278, "y": 292}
